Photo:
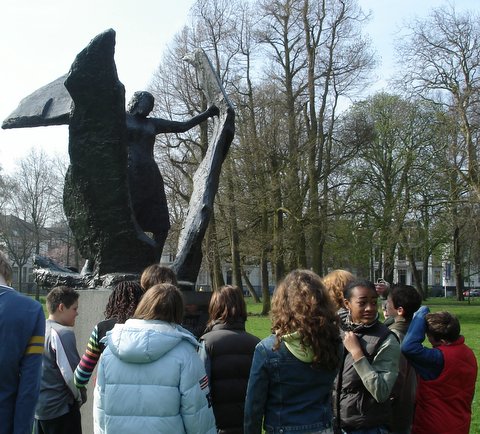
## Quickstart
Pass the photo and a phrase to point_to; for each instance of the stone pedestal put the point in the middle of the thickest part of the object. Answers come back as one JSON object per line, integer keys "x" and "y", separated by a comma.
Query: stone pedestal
{"x": 91, "y": 306}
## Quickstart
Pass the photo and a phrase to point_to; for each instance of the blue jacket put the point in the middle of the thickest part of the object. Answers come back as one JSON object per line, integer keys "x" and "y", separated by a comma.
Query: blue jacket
{"x": 292, "y": 396}
{"x": 22, "y": 335}
{"x": 151, "y": 380}
{"x": 427, "y": 362}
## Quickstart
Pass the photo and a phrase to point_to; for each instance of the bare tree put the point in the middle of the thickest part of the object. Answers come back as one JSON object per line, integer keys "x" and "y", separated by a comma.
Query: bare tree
{"x": 16, "y": 237}
{"x": 338, "y": 61}
{"x": 33, "y": 201}
{"x": 440, "y": 59}
{"x": 34, "y": 195}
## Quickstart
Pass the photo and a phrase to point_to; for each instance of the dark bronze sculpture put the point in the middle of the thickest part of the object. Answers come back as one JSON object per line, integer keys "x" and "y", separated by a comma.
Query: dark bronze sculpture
{"x": 99, "y": 200}
{"x": 96, "y": 197}
{"x": 146, "y": 183}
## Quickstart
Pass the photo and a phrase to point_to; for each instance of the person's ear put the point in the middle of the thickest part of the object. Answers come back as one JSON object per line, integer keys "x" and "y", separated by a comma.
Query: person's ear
{"x": 61, "y": 307}
{"x": 400, "y": 311}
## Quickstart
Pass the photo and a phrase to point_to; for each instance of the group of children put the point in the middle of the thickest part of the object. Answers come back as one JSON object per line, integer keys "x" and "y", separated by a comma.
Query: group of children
{"x": 434, "y": 388}
{"x": 329, "y": 366}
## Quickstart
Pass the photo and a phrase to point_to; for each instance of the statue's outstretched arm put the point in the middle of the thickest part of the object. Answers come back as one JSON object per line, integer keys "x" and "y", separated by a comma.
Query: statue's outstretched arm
{"x": 168, "y": 126}
{"x": 48, "y": 105}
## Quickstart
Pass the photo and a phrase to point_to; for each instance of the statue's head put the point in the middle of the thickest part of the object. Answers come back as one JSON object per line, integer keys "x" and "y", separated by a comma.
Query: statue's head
{"x": 141, "y": 103}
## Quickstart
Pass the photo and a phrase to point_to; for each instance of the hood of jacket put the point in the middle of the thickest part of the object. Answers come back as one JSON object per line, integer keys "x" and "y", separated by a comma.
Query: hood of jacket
{"x": 295, "y": 346}
{"x": 144, "y": 341}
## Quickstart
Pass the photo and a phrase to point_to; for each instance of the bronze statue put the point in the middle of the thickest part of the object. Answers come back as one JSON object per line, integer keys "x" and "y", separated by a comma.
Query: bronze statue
{"x": 146, "y": 183}
{"x": 106, "y": 204}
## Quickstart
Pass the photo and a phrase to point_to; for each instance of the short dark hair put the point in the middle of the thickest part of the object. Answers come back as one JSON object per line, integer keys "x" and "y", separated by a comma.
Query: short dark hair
{"x": 364, "y": 283}
{"x": 443, "y": 325}
{"x": 61, "y": 295}
{"x": 157, "y": 273}
{"x": 406, "y": 296}
{"x": 162, "y": 302}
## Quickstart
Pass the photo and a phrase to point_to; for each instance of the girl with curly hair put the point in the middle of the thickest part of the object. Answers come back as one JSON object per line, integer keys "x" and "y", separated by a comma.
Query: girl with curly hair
{"x": 293, "y": 369}
{"x": 335, "y": 282}
{"x": 121, "y": 305}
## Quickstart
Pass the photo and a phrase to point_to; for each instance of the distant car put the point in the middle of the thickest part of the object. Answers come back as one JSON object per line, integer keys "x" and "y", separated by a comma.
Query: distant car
{"x": 471, "y": 293}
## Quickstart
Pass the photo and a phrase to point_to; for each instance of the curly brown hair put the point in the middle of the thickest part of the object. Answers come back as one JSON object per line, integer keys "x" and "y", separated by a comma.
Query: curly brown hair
{"x": 335, "y": 282}
{"x": 123, "y": 301}
{"x": 301, "y": 303}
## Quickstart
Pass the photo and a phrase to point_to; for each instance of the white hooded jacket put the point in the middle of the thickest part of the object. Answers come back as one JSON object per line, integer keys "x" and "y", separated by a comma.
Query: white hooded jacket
{"x": 151, "y": 380}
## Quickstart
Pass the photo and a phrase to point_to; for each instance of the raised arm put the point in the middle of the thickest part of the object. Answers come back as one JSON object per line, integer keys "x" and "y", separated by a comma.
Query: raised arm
{"x": 427, "y": 362}
{"x": 168, "y": 126}
{"x": 379, "y": 376}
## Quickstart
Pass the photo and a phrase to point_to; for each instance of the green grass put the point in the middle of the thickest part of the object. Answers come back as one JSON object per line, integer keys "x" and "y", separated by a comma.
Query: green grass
{"x": 468, "y": 315}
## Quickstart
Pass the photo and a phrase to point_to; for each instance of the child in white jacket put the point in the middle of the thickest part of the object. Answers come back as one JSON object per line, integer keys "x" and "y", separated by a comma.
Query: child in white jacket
{"x": 150, "y": 377}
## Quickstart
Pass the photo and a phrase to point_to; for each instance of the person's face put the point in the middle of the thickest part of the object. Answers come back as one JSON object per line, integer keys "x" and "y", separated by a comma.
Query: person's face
{"x": 389, "y": 309}
{"x": 67, "y": 315}
{"x": 362, "y": 305}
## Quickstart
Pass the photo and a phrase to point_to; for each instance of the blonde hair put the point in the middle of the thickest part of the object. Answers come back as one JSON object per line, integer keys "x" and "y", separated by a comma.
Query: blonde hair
{"x": 335, "y": 282}
{"x": 163, "y": 302}
{"x": 5, "y": 268}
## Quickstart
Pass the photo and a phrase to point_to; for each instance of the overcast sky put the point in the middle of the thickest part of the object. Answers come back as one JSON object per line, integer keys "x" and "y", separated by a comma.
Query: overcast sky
{"x": 40, "y": 39}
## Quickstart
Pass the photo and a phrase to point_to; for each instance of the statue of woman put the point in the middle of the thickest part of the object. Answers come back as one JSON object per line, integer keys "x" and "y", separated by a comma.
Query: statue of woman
{"x": 145, "y": 181}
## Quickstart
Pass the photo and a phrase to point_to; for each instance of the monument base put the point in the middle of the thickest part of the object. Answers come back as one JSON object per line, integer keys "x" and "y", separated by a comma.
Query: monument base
{"x": 91, "y": 307}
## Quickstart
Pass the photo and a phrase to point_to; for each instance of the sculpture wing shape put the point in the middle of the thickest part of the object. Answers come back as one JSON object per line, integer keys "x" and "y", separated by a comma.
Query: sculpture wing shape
{"x": 49, "y": 105}
{"x": 189, "y": 253}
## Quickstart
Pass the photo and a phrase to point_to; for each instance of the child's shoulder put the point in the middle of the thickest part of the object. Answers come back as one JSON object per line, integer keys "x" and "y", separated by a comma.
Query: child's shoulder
{"x": 60, "y": 329}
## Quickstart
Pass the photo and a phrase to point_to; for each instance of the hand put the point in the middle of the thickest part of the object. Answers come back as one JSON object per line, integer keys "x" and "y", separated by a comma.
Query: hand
{"x": 83, "y": 394}
{"x": 382, "y": 289}
{"x": 213, "y": 110}
{"x": 350, "y": 342}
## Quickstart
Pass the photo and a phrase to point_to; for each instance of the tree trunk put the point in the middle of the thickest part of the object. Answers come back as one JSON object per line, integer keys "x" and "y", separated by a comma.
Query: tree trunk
{"x": 234, "y": 236}
{"x": 415, "y": 273}
{"x": 425, "y": 278}
{"x": 213, "y": 257}
{"x": 265, "y": 289}
{"x": 457, "y": 260}
{"x": 250, "y": 287}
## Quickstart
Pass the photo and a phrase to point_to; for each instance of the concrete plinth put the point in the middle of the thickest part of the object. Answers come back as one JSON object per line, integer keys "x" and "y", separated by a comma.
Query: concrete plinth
{"x": 91, "y": 306}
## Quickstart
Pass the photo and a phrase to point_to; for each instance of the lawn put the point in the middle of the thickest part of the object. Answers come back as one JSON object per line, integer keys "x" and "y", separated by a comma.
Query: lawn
{"x": 468, "y": 314}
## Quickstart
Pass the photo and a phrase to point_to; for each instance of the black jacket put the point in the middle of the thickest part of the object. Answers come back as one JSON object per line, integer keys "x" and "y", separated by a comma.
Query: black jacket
{"x": 230, "y": 351}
